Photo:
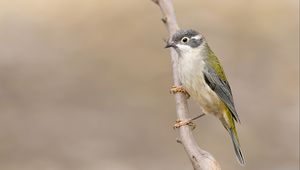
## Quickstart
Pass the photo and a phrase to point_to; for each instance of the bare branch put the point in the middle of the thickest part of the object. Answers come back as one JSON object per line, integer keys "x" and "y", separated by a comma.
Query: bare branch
{"x": 201, "y": 160}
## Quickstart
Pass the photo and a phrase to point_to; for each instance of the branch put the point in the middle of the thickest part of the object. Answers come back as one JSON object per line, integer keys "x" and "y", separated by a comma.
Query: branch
{"x": 201, "y": 160}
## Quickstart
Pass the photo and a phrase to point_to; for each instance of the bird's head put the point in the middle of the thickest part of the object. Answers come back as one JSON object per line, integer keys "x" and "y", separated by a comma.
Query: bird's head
{"x": 186, "y": 41}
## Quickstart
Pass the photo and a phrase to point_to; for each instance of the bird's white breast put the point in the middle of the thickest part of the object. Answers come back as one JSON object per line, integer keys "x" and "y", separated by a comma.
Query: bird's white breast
{"x": 190, "y": 69}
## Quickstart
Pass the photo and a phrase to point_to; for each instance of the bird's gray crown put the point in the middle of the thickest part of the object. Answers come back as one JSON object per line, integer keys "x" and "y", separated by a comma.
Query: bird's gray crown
{"x": 184, "y": 33}
{"x": 190, "y": 34}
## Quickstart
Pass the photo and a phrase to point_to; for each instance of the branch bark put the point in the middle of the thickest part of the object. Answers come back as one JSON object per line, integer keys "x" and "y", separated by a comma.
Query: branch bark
{"x": 201, "y": 160}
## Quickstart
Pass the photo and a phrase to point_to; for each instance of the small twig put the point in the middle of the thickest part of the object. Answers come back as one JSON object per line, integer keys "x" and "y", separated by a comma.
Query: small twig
{"x": 178, "y": 141}
{"x": 164, "y": 20}
{"x": 201, "y": 160}
{"x": 155, "y": 1}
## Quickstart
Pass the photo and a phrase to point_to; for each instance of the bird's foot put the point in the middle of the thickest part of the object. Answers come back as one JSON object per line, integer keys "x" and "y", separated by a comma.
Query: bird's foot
{"x": 180, "y": 123}
{"x": 175, "y": 89}
{"x": 188, "y": 122}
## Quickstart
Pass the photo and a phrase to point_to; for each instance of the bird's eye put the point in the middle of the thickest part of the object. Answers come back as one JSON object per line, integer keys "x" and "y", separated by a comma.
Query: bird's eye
{"x": 185, "y": 39}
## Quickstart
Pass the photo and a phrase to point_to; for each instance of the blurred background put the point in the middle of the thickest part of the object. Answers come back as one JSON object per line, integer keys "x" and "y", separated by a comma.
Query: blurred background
{"x": 84, "y": 85}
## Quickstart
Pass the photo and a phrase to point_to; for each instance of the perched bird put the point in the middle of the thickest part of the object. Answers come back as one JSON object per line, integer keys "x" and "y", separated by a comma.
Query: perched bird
{"x": 203, "y": 79}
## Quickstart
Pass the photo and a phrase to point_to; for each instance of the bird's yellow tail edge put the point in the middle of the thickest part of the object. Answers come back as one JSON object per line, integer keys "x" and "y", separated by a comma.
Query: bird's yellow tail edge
{"x": 230, "y": 126}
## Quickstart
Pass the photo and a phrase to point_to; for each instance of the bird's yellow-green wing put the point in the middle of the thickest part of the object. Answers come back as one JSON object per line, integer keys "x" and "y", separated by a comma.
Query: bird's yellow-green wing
{"x": 217, "y": 81}
{"x": 213, "y": 61}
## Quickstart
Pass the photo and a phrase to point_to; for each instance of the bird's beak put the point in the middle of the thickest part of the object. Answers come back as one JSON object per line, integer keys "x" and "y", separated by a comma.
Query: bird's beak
{"x": 170, "y": 44}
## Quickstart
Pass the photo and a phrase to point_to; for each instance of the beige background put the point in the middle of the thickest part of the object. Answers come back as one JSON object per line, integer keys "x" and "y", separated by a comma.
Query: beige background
{"x": 84, "y": 84}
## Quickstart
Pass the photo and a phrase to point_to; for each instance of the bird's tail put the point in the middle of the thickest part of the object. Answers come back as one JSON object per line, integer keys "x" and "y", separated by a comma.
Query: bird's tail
{"x": 229, "y": 124}
{"x": 236, "y": 145}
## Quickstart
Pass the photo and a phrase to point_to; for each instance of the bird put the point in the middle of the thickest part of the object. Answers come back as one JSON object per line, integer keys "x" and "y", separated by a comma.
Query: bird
{"x": 203, "y": 78}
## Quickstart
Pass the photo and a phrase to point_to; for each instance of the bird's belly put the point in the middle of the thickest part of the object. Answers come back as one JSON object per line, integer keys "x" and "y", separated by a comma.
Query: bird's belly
{"x": 202, "y": 93}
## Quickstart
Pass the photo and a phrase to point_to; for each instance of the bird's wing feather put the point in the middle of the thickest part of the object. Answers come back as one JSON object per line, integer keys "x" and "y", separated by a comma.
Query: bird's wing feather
{"x": 216, "y": 79}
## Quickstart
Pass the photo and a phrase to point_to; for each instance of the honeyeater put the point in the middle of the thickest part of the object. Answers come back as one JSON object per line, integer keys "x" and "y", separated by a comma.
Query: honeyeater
{"x": 203, "y": 79}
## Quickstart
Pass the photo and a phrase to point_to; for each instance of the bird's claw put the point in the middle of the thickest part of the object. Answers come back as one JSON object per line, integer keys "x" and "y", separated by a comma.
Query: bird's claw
{"x": 180, "y": 123}
{"x": 175, "y": 89}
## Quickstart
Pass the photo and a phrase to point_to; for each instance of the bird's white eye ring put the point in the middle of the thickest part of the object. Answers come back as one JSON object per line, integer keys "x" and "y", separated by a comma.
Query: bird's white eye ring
{"x": 185, "y": 39}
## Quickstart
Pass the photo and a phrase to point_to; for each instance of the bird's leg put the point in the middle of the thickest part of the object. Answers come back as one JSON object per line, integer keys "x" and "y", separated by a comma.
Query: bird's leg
{"x": 188, "y": 122}
{"x": 197, "y": 117}
{"x": 175, "y": 89}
